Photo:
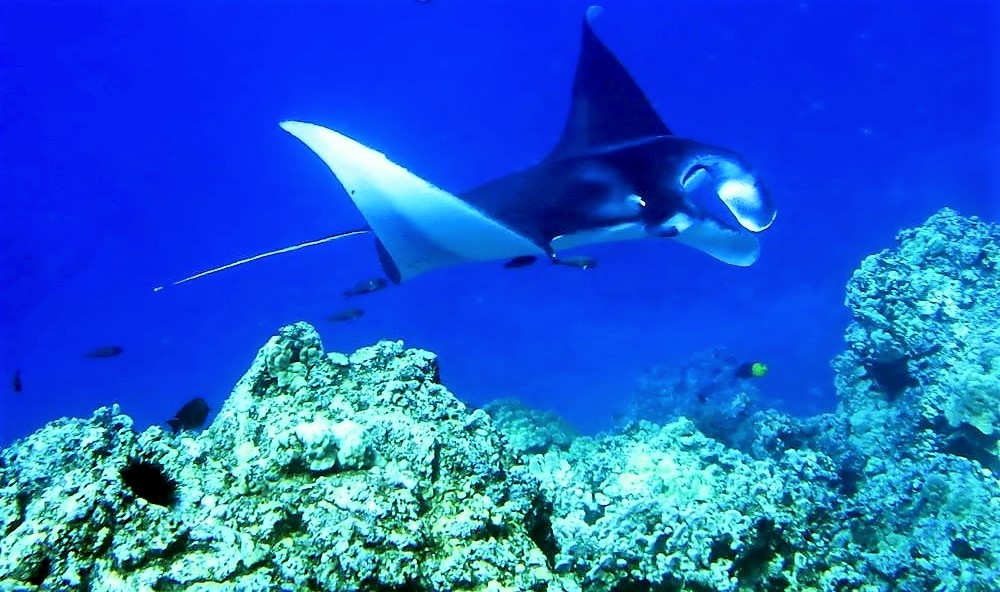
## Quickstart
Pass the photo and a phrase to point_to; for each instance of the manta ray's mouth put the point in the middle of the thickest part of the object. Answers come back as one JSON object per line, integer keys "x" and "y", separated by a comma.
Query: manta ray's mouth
{"x": 727, "y": 193}
{"x": 702, "y": 189}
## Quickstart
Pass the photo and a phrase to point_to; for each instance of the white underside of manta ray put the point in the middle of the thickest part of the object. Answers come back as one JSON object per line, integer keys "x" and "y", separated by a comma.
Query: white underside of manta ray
{"x": 617, "y": 173}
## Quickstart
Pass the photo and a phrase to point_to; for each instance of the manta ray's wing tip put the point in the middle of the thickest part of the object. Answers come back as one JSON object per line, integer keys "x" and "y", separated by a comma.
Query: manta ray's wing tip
{"x": 290, "y": 124}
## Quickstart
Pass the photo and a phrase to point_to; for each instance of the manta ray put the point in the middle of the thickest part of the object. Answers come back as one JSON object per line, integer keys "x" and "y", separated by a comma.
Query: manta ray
{"x": 616, "y": 173}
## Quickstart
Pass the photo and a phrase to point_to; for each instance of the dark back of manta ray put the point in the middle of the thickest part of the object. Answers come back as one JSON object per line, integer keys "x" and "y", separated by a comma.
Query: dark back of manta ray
{"x": 191, "y": 416}
{"x": 608, "y": 113}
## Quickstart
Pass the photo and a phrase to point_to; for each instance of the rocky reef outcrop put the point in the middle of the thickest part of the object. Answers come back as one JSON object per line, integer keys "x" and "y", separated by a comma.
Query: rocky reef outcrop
{"x": 920, "y": 406}
{"x": 924, "y": 346}
{"x": 321, "y": 472}
{"x": 326, "y": 471}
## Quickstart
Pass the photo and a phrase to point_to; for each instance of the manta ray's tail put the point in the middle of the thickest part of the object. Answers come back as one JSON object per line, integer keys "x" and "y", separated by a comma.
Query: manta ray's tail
{"x": 310, "y": 243}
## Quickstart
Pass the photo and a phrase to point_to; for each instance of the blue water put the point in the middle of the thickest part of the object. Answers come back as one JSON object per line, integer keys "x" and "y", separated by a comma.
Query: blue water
{"x": 140, "y": 144}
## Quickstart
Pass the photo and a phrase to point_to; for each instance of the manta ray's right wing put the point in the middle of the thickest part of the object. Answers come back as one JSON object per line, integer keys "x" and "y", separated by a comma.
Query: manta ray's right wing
{"x": 419, "y": 227}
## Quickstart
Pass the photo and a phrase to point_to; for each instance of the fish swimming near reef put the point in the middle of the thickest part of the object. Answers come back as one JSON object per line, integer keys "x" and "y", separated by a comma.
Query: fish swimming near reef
{"x": 616, "y": 173}
{"x": 366, "y": 287}
{"x": 751, "y": 369}
{"x": 190, "y": 417}
{"x": 347, "y": 314}
{"x": 16, "y": 383}
{"x": 105, "y": 351}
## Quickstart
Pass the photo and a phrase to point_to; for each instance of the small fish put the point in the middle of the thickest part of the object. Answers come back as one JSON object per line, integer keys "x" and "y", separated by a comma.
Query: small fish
{"x": 578, "y": 261}
{"x": 348, "y": 314}
{"x": 105, "y": 351}
{"x": 191, "y": 416}
{"x": 520, "y": 261}
{"x": 751, "y": 370}
{"x": 367, "y": 287}
{"x": 16, "y": 383}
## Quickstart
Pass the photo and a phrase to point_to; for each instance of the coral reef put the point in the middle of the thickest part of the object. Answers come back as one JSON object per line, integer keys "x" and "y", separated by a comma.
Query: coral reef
{"x": 924, "y": 345}
{"x": 529, "y": 431}
{"x": 666, "y": 505}
{"x": 325, "y": 471}
{"x": 920, "y": 389}
{"x": 708, "y": 389}
{"x": 321, "y": 472}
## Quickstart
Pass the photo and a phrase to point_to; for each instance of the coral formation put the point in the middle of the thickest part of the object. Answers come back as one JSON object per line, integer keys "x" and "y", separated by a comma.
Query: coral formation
{"x": 666, "y": 505}
{"x": 326, "y": 471}
{"x": 925, "y": 342}
{"x": 708, "y": 389}
{"x": 320, "y": 472}
{"x": 529, "y": 431}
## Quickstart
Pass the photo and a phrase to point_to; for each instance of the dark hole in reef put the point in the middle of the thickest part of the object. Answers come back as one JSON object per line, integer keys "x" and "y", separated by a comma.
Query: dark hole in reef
{"x": 668, "y": 584}
{"x": 750, "y": 565}
{"x": 983, "y": 258}
{"x": 407, "y": 586}
{"x": 722, "y": 548}
{"x": 491, "y": 531}
{"x": 891, "y": 377}
{"x": 148, "y": 480}
{"x": 970, "y": 443}
{"x": 963, "y": 550}
{"x": 290, "y": 523}
{"x": 631, "y": 585}
{"x": 21, "y": 498}
{"x": 539, "y": 525}
{"x": 850, "y": 473}
{"x": 40, "y": 572}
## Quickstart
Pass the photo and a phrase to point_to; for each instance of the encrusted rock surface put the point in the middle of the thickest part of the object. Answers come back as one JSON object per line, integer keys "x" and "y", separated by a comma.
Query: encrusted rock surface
{"x": 924, "y": 345}
{"x": 529, "y": 431}
{"x": 321, "y": 472}
{"x": 920, "y": 394}
{"x": 666, "y": 504}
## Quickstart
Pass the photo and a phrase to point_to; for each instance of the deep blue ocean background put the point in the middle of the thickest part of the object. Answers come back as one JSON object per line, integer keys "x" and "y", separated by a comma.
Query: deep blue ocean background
{"x": 139, "y": 144}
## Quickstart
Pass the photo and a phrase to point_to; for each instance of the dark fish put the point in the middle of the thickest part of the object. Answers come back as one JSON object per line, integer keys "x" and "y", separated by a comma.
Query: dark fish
{"x": 578, "y": 261}
{"x": 191, "y": 416}
{"x": 105, "y": 351}
{"x": 348, "y": 314}
{"x": 367, "y": 287}
{"x": 520, "y": 261}
{"x": 16, "y": 383}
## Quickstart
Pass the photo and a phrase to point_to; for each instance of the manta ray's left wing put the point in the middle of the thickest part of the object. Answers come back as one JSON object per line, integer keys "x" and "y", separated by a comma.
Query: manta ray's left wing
{"x": 419, "y": 227}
